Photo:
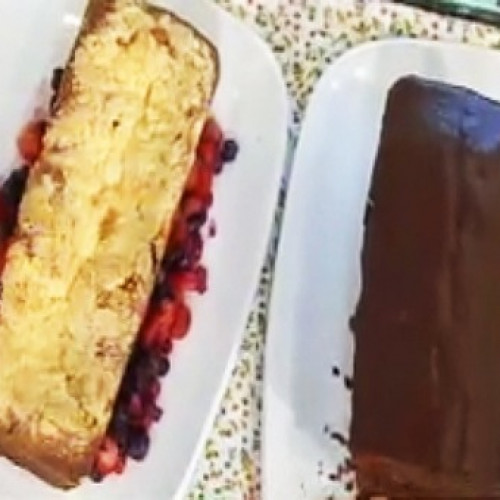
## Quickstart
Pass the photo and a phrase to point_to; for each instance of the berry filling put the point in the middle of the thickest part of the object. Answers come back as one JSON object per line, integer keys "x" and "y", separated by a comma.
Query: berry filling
{"x": 168, "y": 316}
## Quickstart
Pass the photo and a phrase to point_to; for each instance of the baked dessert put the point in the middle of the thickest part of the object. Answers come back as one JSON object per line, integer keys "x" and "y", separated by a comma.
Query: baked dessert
{"x": 92, "y": 229}
{"x": 426, "y": 405}
{"x": 181, "y": 273}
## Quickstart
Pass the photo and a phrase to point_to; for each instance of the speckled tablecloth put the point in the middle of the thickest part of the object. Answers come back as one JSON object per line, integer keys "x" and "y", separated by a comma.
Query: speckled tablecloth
{"x": 305, "y": 35}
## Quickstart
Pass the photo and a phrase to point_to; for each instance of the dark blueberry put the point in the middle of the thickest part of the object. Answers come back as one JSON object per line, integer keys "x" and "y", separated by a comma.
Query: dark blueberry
{"x": 138, "y": 445}
{"x": 229, "y": 151}
{"x": 119, "y": 426}
{"x": 171, "y": 257}
{"x": 194, "y": 248}
{"x": 153, "y": 367}
{"x": 166, "y": 347}
{"x": 135, "y": 358}
{"x": 128, "y": 383}
{"x": 163, "y": 366}
{"x": 138, "y": 354}
{"x": 57, "y": 75}
{"x": 162, "y": 291}
{"x": 14, "y": 186}
{"x": 145, "y": 376}
{"x": 148, "y": 359}
{"x": 196, "y": 221}
{"x": 156, "y": 363}
{"x": 175, "y": 260}
{"x": 120, "y": 417}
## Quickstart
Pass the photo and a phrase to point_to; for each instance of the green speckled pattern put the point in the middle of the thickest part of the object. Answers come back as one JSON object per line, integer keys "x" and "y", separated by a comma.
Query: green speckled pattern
{"x": 305, "y": 35}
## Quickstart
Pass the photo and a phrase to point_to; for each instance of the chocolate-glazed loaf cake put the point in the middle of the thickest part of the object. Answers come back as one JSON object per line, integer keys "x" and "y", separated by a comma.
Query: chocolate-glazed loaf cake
{"x": 426, "y": 407}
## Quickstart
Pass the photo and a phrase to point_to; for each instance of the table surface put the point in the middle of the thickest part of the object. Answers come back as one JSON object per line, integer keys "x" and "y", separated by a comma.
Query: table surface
{"x": 306, "y": 36}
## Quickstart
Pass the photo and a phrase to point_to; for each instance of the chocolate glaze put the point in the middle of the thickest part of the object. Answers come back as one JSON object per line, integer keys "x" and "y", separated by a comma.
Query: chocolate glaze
{"x": 427, "y": 325}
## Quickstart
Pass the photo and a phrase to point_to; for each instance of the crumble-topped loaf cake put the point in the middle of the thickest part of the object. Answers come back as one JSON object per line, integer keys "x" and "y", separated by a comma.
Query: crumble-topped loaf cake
{"x": 92, "y": 224}
{"x": 426, "y": 404}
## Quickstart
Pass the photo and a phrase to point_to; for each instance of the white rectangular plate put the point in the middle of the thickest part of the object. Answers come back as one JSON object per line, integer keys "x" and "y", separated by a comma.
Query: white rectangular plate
{"x": 317, "y": 278}
{"x": 251, "y": 105}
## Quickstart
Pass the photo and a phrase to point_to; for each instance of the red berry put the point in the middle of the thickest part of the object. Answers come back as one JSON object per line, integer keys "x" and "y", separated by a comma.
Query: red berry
{"x": 189, "y": 281}
{"x": 210, "y": 146}
{"x": 192, "y": 205}
{"x": 30, "y": 141}
{"x": 179, "y": 232}
{"x": 208, "y": 153}
{"x": 158, "y": 324}
{"x": 178, "y": 283}
{"x": 108, "y": 458}
{"x": 204, "y": 186}
{"x": 177, "y": 326}
{"x": 182, "y": 321}
{"x": 212, "y": 132}
{"x": 147, "y": 335}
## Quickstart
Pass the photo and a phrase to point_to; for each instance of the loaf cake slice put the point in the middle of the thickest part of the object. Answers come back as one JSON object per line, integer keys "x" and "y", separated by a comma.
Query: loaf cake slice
{"x": 426, "y": 403}
{"x": 92, "y": 224}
